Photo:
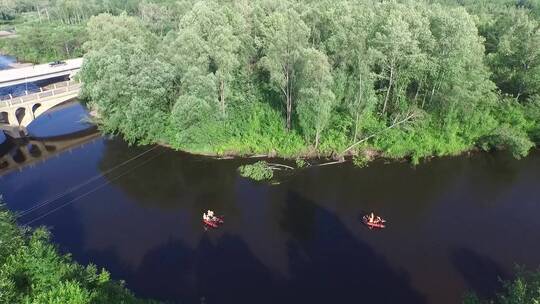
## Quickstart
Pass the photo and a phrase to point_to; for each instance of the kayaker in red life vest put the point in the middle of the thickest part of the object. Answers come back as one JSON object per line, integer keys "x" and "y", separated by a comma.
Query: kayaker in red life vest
{"x": 375, "y": 219}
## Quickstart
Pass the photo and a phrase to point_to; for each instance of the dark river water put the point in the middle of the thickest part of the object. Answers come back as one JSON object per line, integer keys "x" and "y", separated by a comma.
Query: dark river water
{"x": 455, "y": 224}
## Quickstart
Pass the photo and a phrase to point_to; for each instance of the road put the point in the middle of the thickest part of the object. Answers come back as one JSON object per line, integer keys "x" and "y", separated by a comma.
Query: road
{"x": 38, "y": 72}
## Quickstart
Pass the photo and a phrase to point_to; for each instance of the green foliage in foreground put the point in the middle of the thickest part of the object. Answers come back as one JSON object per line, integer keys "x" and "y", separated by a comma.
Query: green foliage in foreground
{"x": 524, "y": 289}
{"x": 258, "y": 171}
{"x": 32, "y": 271}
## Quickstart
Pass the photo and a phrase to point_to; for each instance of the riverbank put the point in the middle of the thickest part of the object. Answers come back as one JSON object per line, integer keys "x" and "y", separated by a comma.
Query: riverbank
{"x": 7, "y": 34}
{"x": 17, "y": 65}
{"x": 33, "y": 271}
{"x": 361, "y": 155}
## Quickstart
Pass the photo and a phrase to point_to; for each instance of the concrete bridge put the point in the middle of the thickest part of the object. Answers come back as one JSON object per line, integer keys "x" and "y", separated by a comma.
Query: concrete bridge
{"x": 33, "y": 73}
{"x": 17, "y": 154}
{"x": 16, "y": 113}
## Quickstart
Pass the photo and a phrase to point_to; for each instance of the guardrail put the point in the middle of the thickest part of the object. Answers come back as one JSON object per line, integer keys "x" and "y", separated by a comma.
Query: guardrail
{"x": 44, "y": 93}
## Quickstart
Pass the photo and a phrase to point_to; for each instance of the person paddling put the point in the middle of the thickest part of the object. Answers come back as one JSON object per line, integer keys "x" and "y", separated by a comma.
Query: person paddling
{"x": 371, "y": 217}
{"x": 375, "y": 219}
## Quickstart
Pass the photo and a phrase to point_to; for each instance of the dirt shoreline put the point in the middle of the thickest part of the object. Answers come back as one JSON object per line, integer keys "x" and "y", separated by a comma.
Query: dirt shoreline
{"x": 17, "y": 65}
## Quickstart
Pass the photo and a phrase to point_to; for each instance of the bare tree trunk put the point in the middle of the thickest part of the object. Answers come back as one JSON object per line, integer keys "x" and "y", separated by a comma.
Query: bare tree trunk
{"x": 222, "y": 96}
{"x": 520, "y": 91}
{"x": 38, "y": 12}
{"x": 417, "y": 91}
{"x": 432, "y": 92}
{"x": 288, "y": 98}
{"x": 356, "y": 126}
{"x": 358, "y": 100}
{"x": 436, "y": 86}
{"x": 289, "y": 112}
{"x": 389, "y": 88}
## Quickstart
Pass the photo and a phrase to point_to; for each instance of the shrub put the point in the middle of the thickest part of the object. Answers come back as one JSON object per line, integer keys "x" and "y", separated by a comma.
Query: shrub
{"x": 32, "y": 271}
{"x": 258, "y": 171}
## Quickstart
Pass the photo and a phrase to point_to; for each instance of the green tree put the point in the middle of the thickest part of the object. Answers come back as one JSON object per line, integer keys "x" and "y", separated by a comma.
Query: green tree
{"x": 158, "y": 17}
{"x": 397, "y": 49}
{"x": 7, "y": 9}
{"x": 516, "y": 61}
{"x": 284, "y": 38}
{"x": 126, "y": 78}
{"x": 348, "y": 48}
{"x": 210, "y": 22}
{"x": 315, "y": 97}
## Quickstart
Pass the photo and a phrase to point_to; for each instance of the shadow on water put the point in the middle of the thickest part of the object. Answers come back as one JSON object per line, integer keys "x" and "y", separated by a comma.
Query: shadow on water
{"x": 179, "y": 176}
{"x": 327, "y": 264}
{"x": 334, "y": 266}
{"x": 481, "y": 274}
{"x": 299, "y": 217}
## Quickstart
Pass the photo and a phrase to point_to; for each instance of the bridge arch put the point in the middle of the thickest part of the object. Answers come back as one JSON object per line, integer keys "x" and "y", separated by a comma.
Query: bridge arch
{"x": 34, "y": 150}
{"x": 19, "y": 156}
{"x": 4, "y": 118}
{"x": 35, "y": 107}
{"x": 19, "y": 114}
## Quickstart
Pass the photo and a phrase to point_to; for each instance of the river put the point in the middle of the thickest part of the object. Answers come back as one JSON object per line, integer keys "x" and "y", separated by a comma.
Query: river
{"x": 6, "y": 61}
{"x": 455, "y": 223}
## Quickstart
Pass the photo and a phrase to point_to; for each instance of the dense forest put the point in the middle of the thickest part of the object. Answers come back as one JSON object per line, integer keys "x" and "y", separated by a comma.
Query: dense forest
{"x": 299, "y": 78}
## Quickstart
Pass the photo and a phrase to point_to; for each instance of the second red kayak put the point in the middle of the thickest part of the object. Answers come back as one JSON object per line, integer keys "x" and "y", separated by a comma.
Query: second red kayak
{"x": 379, "y": 225}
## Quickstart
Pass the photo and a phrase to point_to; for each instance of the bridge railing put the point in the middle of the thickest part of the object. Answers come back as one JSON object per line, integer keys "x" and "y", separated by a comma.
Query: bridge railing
{"x": 45, "y": 92}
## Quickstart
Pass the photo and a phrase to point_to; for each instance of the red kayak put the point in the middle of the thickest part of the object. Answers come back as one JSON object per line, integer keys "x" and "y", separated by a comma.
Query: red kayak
{"x": 212, "y": 224}
{"x": 379, "y": 225}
